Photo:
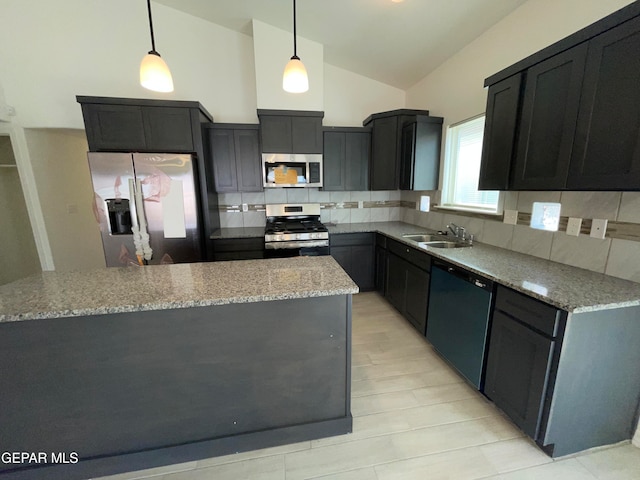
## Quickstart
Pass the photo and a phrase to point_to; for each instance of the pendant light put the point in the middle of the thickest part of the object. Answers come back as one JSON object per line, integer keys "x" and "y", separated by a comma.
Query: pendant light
{"x": 295, "y": 78}
{"x": 154, "y": 72}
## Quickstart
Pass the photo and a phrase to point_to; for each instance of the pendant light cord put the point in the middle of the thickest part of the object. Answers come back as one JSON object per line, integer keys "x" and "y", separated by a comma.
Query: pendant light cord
{"x": 153, "y": 42}
{"x": 295, "y": 50}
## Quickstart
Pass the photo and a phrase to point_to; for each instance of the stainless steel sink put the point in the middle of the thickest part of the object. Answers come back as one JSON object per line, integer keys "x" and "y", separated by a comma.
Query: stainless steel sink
{"x": 446, "y": 244}
{"x": 421, "y": 238}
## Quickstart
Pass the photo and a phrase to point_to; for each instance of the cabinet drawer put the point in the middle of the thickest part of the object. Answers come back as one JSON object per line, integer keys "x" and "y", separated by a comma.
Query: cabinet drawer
{"x": 530, "y": 311}
{"x": 419, "y": 259}
{"x": 344, "y": 239}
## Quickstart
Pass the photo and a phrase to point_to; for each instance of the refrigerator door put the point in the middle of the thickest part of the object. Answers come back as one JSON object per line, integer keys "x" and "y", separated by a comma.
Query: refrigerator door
{"x": 170, "y": 206}
{"x": 113, "y": 206}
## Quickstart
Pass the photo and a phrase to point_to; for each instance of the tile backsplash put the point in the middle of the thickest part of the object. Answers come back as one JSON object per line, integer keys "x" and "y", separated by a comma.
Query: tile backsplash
{"x": 336, "y": 207}
{"x": 618, "y": 254}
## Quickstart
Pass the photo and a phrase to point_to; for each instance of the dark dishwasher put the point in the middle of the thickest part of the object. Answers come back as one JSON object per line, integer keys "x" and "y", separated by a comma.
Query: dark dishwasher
{"x": 458, "y": 319}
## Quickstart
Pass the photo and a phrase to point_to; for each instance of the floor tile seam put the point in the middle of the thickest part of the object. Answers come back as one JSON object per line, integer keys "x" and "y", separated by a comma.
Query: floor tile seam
{"x": 340, "y": 473}
{"x": 552, "y": 462}
{"x": 410, "y": 429}
{"x": 403, "y": 389}
{"x": 248, "y": 459}
{"x": 419, "y": 406}
{"x": 444, "y": 368}
{"x": 409, "y": 356}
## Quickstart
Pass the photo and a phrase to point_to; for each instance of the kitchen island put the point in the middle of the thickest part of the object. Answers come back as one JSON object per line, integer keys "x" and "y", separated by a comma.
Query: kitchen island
{"x": 129, "y": 368}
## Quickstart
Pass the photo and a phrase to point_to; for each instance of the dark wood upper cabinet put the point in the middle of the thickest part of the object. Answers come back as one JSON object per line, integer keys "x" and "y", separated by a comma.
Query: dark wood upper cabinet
{"x": 290, "y": 131}
{"x": 384, "y": 146}
{"x": 606, "y": 154}
{"x": 420, "y": 154}
{"x": 115, "y": 124}
{"x": 576, "y": 123}
{"x": 346, "y": 159}
{"x": 548, "y": 121}
{"x": 399, "y": 160}
{"x": 234, "y": 151}
{"x": 167, "y": 128}
{"x": 503, "y": 100}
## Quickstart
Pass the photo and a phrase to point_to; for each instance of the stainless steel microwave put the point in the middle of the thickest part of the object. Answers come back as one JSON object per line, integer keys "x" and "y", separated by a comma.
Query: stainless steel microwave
{"x": 291, "y": 170}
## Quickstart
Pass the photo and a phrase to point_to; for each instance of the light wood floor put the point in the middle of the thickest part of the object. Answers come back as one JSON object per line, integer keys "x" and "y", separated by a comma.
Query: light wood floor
{"x": 414, "y": 418}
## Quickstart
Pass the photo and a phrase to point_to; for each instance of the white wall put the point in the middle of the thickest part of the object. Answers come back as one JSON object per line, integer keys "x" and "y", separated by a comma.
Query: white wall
{"x": 455, "y": 89}
{"x": 61, "y": 171}
{"x": 272, "y": 50}
{"x": 52, "y": 52}
{"x": 349, "y": 98}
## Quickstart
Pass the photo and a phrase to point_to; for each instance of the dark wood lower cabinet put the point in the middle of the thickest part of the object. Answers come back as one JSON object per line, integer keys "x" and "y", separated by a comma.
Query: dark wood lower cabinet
{"x": 238, "y": 249}
{"x": 408, "y": 290}
{"x": 355, "y": 254}
{"x": 518, "y": 371}
{"x": 381, "y": 269}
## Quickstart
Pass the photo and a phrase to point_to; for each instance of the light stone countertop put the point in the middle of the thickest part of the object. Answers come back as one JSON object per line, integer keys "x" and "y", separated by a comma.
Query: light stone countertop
{"x": 570, "y": 288}
{"x": 160, "y": 287}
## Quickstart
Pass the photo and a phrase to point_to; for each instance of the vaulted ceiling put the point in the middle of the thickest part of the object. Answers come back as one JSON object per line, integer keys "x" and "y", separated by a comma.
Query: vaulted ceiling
{"x": 397, "y": 43}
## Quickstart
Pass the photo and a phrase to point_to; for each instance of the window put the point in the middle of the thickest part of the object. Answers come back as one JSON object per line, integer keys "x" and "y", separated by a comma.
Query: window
{"x": 462, "y": 169}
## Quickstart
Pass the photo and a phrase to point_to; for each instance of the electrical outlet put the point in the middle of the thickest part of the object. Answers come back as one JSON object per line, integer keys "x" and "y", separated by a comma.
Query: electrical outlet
{"x": 360, "y": 203}
{"x": 574, "y": 226}
{"x": 598, "y": 228}
{"x": 511, "y": 217}
{"x": 245, "y": 207}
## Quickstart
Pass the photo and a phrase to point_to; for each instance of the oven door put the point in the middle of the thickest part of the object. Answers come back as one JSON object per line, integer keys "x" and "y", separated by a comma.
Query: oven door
{"x": 296, "y": 249}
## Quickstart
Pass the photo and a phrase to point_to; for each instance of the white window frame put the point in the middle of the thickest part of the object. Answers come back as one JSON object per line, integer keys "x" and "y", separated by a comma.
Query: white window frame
{"x": 448, "y": 178}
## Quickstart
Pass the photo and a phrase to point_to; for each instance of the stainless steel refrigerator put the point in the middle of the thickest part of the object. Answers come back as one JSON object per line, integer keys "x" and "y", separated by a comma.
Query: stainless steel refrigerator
{"x": 152, "y": 190}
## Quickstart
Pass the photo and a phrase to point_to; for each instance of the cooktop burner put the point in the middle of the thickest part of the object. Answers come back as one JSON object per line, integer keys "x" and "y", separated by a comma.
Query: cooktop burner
{"x": 299, "y": 223}
{"x": 294, "y": 226}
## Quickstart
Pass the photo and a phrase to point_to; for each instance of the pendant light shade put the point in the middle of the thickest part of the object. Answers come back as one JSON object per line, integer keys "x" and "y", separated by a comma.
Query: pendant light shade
{"x": 154, "y": 72}
{"x": 295, "y": 79}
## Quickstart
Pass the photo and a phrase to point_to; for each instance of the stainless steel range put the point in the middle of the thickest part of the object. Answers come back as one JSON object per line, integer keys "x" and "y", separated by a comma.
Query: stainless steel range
{"x": 295, "y": 229}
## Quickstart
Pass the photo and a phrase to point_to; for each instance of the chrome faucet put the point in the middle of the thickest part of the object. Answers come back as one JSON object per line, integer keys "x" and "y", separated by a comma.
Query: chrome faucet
{"x": 460, "y": 233}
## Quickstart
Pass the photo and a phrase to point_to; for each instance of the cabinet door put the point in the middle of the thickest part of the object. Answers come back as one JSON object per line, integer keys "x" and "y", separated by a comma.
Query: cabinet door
{"x": 417, "y": 297}
{"x": 362, "y": 266}
{"x": 334, "y": 161}
{"x": 358, "y": 147}
{"x": 501, "y": 119}
{"x": 248, "y": 160}
{"x": 517, "y": 371}
{"x": 396, "y": 281}
{"x": 548, "y": 121}
{"x": 426, "y": 156}
{"x": 306, "y": 133}
{"x": 114, "y": 127}
{"x": 222, "y": 149}
{"x": 342, "y": 255}
{"x": 384, "y": 161}
{"x": 275, "y": 133}
{"x": 606, "y": 153}
{"x": 381, "y": 270}
{"x": 167, "y": 129}
{"x": 407, "y": 156}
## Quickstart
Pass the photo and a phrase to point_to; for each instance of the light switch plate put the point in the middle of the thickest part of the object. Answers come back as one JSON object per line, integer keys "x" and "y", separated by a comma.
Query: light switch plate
{"x": 574, "y": 226}
{"x": 425, "y": 203}
{"x": 598, "y": 227}
{"x": 511, "y": 217}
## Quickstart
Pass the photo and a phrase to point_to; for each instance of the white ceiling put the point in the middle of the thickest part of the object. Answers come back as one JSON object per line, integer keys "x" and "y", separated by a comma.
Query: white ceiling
{"x": 394, "y": 43}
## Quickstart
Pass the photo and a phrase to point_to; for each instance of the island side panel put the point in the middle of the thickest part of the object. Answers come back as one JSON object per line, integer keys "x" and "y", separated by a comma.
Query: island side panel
{"x": 117, "y": 384}
{"x": 597, "y": 387}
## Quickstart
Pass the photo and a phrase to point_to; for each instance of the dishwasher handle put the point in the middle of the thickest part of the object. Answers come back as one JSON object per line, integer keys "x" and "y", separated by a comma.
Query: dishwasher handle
{"x": 465, "y": 275}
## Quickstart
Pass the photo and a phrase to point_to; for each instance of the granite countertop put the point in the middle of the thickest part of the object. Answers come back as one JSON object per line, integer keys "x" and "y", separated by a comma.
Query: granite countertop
{"x": 570, "y": 288}
{"x": 160, "y": 287}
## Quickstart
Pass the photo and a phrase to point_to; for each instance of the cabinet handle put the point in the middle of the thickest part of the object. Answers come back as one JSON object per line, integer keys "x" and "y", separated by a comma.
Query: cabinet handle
{"x": 407, "y": 250}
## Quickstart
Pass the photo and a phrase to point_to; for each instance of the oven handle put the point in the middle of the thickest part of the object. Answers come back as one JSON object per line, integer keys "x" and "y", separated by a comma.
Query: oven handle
{"x": 291, "y": 245}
